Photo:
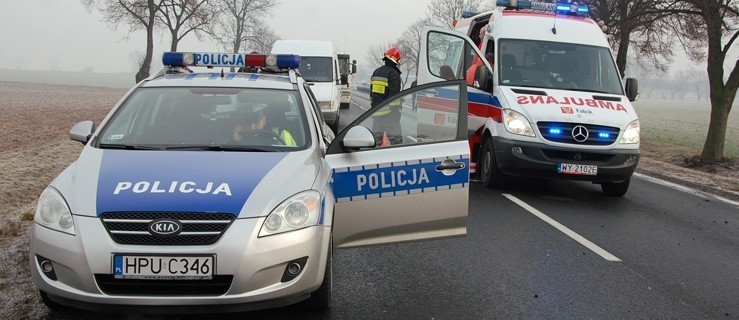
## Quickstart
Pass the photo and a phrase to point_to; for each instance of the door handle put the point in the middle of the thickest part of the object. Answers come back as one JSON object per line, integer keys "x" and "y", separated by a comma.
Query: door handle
{"x": 449, "y": 166}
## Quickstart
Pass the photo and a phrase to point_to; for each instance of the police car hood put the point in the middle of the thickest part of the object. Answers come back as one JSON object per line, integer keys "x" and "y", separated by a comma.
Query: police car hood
{"x": 324, "y": 91}
{"x": 246, "y": 184}
{"x": 570, "y": 106}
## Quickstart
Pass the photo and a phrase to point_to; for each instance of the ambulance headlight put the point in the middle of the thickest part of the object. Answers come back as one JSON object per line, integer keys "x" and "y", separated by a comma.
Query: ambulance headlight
{"x": 297, "y": 212}
{"x": 631, "y": 134}
{"x": 53, "y": 212}
{"x": 516, "y": 123}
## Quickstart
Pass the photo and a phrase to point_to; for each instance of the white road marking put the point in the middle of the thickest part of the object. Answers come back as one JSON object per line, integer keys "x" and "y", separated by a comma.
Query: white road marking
{"x": 572, "y": 234}
{"x": 687, "y": 189}
{"x": 360, "y": 107}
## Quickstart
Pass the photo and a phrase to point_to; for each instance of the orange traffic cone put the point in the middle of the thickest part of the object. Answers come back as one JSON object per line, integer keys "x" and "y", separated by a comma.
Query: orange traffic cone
{"x": 385, "y": 142}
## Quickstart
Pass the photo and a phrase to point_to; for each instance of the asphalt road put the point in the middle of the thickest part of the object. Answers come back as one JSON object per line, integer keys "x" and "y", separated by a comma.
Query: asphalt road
{"x": 540, "y": 249}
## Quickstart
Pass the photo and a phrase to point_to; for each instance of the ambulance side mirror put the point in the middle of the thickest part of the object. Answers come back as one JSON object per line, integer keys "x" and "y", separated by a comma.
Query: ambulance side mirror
{"x": 82, "y": 131}
{"x": 632, "y": 89}
{"x": 354, "y": 66}
{"x": 483, "y": 79}
{"x": 357, "y": 138}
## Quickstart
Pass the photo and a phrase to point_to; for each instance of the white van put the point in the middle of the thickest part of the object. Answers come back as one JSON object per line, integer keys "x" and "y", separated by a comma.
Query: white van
{"x": 553, "y": 105}
{"x": 319, "y": 66}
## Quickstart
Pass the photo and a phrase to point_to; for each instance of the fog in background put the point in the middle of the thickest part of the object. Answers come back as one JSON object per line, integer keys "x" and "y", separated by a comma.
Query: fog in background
{"x": 61, "y": 35}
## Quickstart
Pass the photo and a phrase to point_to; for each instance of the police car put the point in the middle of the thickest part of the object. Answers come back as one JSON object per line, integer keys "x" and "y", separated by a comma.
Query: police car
{"x": 191, "y": 197}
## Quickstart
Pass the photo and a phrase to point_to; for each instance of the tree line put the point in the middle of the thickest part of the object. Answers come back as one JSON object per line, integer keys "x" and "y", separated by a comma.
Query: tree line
{"x": 646, "y": 32}
{"x": 233, "y": 24}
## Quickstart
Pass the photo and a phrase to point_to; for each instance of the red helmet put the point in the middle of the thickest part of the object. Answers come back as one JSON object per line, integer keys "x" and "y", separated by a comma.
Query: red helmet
{"x": 393, "y": 54}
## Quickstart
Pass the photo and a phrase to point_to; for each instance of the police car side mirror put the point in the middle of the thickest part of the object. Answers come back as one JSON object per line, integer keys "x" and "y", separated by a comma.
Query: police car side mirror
{"x": 632, "y": 89}
{"x": 358, "y": 137}
{"x": 82, "y": 131}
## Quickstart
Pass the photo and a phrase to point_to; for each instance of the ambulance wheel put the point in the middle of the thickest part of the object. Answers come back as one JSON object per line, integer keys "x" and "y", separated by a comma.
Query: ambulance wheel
{"x": 321, "y": 298}
{"x": 490, "y": 174}
{"x": 615, "y": 189}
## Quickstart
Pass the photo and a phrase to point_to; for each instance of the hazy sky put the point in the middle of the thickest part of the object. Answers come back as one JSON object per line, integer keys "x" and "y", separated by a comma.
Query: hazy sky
{"x": 62, "y": 35}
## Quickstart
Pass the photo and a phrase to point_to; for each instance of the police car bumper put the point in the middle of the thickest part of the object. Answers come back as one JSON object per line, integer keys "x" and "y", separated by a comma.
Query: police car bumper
{"x": 250, "y": 270}
{"x": 539, "y": 160}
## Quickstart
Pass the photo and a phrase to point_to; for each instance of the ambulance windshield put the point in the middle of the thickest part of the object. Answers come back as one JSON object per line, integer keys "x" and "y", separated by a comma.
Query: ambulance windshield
{"x": 565, "y": 66}
{"x": 209, "y": 119}
{"x": 317, "y": 69}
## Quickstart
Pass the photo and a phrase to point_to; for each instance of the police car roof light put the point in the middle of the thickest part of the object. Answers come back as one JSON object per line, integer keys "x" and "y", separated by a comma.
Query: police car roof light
{"x": 205, "y": 59}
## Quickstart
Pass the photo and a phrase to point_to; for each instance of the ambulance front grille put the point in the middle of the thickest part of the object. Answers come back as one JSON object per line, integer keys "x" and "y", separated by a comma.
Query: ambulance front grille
{"x": 198, "y": 228}
{"x": 562, "y": 132}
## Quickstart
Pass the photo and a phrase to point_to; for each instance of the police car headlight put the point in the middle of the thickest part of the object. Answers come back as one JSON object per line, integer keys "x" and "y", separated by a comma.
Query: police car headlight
{"x": 297, "y": 212}
{"x": 53, "y": 212}
{"x": 516, "y": 123}
{"x": 631, "y": 134}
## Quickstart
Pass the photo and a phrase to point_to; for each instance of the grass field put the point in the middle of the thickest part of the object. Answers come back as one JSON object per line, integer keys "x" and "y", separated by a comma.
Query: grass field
{"x": 670, "y": 128}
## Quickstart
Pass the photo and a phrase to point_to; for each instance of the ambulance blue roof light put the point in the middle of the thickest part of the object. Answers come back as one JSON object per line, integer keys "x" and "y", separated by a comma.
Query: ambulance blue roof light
{"x": 560, "y": 8}
{"x": 206, "y": 59}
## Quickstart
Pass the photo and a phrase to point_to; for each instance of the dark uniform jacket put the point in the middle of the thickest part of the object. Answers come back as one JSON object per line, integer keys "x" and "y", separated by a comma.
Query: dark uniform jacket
{"x": 385, "y": 82}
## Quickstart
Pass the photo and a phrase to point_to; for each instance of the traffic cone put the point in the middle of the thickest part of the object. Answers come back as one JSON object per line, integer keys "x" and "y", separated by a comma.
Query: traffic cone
{"x": 385, "y": 142}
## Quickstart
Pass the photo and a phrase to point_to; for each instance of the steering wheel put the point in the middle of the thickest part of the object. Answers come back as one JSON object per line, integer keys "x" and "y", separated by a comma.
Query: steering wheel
{"x": 261, "y": 132}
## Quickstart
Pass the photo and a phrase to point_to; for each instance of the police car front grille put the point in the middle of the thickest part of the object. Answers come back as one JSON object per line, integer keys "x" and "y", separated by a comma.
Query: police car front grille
{"x": 565, "y": 133}
{"x": 217, "y": 286}
{"x": 198, "y": 228}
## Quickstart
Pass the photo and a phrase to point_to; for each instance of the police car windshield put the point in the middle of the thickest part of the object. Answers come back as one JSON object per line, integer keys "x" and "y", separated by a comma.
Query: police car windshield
{"x": 554, "y": 65}
{"x": 316, "y": 69}
{"x": 208, "y": 119}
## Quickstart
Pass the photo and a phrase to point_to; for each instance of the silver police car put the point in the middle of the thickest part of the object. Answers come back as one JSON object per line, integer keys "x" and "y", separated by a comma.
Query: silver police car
{"x": 226, "y": 191}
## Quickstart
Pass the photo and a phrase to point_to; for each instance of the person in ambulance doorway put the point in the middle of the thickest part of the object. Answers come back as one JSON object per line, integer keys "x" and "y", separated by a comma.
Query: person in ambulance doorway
{"x": 385, "y": 83}
{"x": 252, "y": 129}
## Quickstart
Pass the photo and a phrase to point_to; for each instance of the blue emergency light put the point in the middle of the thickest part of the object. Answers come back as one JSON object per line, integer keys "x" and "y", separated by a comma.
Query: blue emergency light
{"x": 560, "y": 8}
{"x": 555, "y": 131}
{"x": 604, "y": 135}
{"x": 207, "y": 59}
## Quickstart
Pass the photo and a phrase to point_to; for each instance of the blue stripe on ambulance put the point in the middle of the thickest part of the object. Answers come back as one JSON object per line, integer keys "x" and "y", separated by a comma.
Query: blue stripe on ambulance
{"x": 396, "y": 179}
{"x": 182, "y": 181}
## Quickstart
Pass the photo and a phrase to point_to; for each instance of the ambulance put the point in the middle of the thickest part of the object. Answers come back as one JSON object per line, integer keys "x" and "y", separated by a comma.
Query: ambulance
{"x": 545, "y": 96}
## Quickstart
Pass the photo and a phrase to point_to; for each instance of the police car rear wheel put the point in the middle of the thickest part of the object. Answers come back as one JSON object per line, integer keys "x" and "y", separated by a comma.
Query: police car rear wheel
{"x": 490, "y": 174}
{"x": 615, "y": 189}
{"x": 321, "y": 298}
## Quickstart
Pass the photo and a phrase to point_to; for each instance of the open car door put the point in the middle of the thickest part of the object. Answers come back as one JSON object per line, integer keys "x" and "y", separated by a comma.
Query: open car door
{"x": 397, "y": 182}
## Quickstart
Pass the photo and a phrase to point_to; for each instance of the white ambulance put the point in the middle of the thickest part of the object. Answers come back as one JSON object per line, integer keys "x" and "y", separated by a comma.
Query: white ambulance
{"x": 319, "y": 66}
{"x": 545, "y": 97}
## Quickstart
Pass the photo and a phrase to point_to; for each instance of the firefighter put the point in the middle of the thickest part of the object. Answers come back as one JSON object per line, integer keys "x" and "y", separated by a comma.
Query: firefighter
{"x": 385, "y": 83}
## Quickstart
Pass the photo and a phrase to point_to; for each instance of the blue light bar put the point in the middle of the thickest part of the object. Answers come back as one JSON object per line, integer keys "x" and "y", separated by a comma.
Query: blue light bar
{"x": 561, "y": 8}
{"x": 207, "y": 59}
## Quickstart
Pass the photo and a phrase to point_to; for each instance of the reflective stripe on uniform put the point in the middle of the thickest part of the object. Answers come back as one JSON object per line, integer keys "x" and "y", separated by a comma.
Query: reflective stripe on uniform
{"x": 379, "y": 84}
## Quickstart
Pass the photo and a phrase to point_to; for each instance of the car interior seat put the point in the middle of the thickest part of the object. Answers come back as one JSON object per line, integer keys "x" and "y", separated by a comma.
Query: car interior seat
{"x": 507, "y": 69}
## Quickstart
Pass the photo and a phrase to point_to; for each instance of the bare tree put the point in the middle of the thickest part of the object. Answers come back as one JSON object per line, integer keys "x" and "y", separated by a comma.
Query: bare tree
{"x": 709, "y": 29}
{"x": 409, "y": 44}
{"x": 636, "y": 23}
{"x": 442, "y": 13}
{"x": 232, "y": 25}
{"x": 375, "y": 52}
{"x": 261, "y": 38}
{"x": 182, "y": 17}
{"x": 136, "y": 14}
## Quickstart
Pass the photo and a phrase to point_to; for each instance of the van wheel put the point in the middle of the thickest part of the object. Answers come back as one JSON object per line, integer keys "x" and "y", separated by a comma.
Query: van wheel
{"x": 490, "y": 174}
{"x": 344, "y": 106}
{"x": 615, "y": 189}
{"x": 321, "y": 298}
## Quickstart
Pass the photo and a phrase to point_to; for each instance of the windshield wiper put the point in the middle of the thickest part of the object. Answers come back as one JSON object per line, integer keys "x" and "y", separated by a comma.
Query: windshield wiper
{"x": 221, "y": 148}
{"x": 125, "y": 146}
{"x": 586, "y": 90}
